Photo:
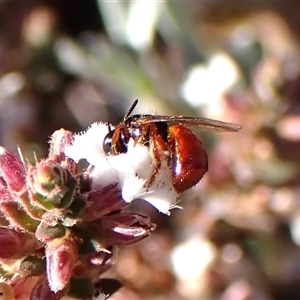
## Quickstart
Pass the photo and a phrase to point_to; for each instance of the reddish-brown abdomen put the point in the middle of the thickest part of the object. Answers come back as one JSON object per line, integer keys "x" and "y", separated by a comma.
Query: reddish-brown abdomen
{"x": 189, "y": 158}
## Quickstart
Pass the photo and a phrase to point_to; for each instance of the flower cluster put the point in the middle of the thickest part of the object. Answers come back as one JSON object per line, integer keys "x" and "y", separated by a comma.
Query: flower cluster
{"x": 60, "y": 226}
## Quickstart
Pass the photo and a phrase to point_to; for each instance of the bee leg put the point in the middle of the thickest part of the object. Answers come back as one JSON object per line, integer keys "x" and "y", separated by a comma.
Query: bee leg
{"x": 157, "y": 161}
{"x": 158, "y": 150}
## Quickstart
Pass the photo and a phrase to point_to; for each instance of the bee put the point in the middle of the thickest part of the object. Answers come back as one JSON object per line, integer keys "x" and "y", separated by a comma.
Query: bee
{"x": 167, "y": 137}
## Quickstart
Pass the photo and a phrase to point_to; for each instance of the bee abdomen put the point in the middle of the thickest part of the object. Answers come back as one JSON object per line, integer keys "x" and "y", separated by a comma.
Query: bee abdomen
{"x": 189, "y": 158}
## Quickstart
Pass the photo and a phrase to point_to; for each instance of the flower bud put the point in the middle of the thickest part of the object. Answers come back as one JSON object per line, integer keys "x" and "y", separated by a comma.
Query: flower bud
{"x": 17, "y": 208}
{"x": 14, "y": 244}
{"x": 51, "y": 185}
{"x": 12, "y": 170}
{"x": 125, "y": 228}
{"x": 102, "y": 202}
{"x": 45, "y": 176}
{"x": 60, "y": 140}
{"x": 60, "y": 258}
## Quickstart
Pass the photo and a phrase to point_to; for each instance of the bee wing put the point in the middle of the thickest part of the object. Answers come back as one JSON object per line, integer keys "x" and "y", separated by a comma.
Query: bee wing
{"x": 188, "y": 121}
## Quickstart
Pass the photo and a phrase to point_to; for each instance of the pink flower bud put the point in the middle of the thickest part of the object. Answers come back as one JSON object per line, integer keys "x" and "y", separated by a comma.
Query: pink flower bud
{"x": 51, "y": 185}
{"x": 44, "y": 177}
{"x": 102, "y": 202}
{"x": 61, "y": 257}
{"x": 17, "y": 209}
{"x": 125, "y": 228}
{"x": 12, "y": 170}
{"x": 60, "y": 140}
{"x": 14, "y": 244}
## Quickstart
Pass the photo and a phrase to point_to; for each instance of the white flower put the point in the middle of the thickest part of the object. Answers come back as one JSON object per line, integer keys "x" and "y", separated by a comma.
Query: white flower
{"x": 88, "y": 144}
{"x": 133, "y": 170}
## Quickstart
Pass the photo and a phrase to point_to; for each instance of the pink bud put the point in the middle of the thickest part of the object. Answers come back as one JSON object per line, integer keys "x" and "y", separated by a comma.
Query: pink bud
{"x": 102, "y": 202}
{"x": 61, "y": 257}
{"x": 12, "y": 170}
{"x": 14, "y": 244}
{"x": 125, "y": 228}
{"x": 60, "y": 140}
{"x": 51, "y": 185}
{"x": 17, "y": 209}
{"x": 45, "y": 177}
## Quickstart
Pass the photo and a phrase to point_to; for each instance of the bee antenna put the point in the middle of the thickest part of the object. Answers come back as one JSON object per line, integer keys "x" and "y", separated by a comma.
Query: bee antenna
{"x": 108, "y": 126}
{"x": 131, "y": 108}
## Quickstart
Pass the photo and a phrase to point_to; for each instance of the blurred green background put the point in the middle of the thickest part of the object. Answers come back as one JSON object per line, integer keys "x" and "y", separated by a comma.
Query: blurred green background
{"x": 69, "y": 63}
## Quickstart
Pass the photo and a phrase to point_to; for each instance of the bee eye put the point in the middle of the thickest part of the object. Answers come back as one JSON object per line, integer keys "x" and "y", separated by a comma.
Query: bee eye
{"x": 107, "y": 143}
{"x": 116, "y": 147}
